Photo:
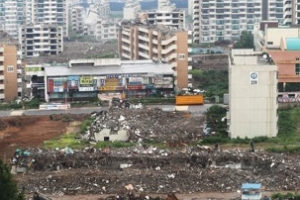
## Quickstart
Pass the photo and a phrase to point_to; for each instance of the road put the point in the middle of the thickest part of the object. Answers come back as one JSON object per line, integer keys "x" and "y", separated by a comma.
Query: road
{"x": 193, "y": 109}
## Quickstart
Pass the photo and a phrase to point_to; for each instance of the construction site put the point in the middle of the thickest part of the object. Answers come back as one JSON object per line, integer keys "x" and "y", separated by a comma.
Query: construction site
{"x": 163, "y": 160}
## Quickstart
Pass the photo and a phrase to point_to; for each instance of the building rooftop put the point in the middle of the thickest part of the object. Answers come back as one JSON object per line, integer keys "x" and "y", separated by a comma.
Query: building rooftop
{"x": 292, "y": 44}
{"x": 128, "y": 67}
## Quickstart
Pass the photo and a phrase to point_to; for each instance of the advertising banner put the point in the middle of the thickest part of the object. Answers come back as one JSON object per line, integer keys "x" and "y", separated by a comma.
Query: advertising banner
{"x": 86, "y": 81}
{"x": 136, "y": 81}
{"x": 50, "y": 85}
{"x": 112, "y": 76}
{"x": 134, "y": 87}
{"x": 87, "y": 89}
{"x": 111, "y": 88}
{"x": 112, "y": 82}
{"x": 73, "y": 82}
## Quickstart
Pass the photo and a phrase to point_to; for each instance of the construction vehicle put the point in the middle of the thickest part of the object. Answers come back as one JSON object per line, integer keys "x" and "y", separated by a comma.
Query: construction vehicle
{"x": 189, "y": 96}
{"x": 251, "y": 191}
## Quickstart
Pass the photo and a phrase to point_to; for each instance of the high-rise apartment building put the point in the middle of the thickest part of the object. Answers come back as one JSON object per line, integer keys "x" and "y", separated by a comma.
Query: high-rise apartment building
{"x": 225, "y": 19}
{"x": 291, "y": 12}
{"x": 11, "y": 16}
{"x": 160, "y": 43}
{"x": 77, "y": 14}
{"x": 40, "y": 39}
{"x": 15, "y": 13}
{"x": 10, "y": 68}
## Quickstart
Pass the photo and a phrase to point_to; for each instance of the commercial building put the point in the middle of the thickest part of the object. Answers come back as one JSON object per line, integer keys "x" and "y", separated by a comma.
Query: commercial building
{"x": 291, "y": 12}
{"x": 10, "y": 68}
{"x": 215, "y": 20}
{"x": 39, "y": 40}
{"x": 131, "y": 9}
{"x": 252, "y": 95}
{"x": 159, "y": 43}
{"x": 85, "y": 79}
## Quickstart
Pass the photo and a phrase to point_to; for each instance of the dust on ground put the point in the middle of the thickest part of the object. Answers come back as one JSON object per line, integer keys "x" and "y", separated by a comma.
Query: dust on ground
{"x": 31, "y": 131}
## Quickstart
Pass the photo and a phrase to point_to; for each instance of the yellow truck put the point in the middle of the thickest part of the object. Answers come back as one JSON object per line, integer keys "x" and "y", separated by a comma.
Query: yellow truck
{"x": 197, "y": 99}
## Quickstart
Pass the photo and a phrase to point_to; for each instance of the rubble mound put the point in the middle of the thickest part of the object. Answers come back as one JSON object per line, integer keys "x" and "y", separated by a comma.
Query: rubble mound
{"x": 94, "y": 171}
{"x": 147, "y": 125}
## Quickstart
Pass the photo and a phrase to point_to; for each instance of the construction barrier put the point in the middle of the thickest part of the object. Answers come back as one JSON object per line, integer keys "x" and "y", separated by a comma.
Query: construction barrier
{"x": 54, "y": 106}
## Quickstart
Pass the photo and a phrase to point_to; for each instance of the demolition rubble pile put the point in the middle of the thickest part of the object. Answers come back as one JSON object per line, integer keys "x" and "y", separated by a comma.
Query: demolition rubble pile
{"x": 151, "y": 170}
{"x": 146, "y": 124}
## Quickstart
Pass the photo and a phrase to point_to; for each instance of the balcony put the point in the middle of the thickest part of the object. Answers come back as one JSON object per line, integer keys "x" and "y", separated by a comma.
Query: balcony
{"x": 2, "y": 96}
{"x": 125, "y": 55}
{"x": 19, "y": 62}
{"x": 143, "y": 46}
{"x": 125, "y": 40}
{"x": 169, "y": 49}
{"x": 154, "y": 41}
{"x": 1, "y": 67}
{"x": 190, "y": 67}
{"x": 19, "y": 89}
{"x": 1, "y": 77}
{"x": 144, "y": 38}
{"x": 1, "y": 58}
{"x": 168, "y": 41}
{"x": 126, "y": 48}
{"x": 144, "y": 55}
{"x": 1, "y": 86}
{"x": 19, "y": 80}
{"x": 1, "y": 49}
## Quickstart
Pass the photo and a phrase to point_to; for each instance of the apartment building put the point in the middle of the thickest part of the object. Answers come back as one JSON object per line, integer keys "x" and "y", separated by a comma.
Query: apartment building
{"x": 39, "y": 40}
{"x": 10, "y": 68}
{"x": 77, "y": 16}
{"x": 52, "y": 12}
{"x": 215, "y": 20}
{"x": 159, "y": 43}
{"x": 106, "y": 29}
{"x": 11, "y": 16}
{"x": 131, "y": 9}
{"x": 168, "y": 17}
{"x": 291, "y": 12}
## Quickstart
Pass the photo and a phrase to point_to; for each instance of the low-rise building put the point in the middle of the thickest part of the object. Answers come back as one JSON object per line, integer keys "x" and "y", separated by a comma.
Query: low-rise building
{"x": 252, "y": 95}
{"x": 10, "y": 68}
{"x": 39, "y": 40}
{"x": 159, "y": 43}
{"x": 86, "y": 79}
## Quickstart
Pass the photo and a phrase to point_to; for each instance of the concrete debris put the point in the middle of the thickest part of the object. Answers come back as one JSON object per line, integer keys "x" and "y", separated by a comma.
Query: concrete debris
{"x": 90, "y": 171}
{"x": 139, "y": 124}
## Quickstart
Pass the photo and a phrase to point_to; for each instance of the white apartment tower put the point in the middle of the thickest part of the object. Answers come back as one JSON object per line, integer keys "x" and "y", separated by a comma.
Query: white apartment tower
{"x": 131, "y": 9}
{"x": 225, "y": 19}
{"x": 291, "y": 12}
{"x": 77, "y": 14}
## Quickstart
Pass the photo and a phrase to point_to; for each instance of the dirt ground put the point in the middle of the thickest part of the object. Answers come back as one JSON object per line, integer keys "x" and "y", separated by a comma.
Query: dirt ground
{"x": 29, "y": 131}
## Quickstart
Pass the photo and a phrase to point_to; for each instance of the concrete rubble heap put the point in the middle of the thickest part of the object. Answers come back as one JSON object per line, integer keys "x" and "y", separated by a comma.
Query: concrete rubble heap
{"x": 146, "y": 125}
{"x": 153, "y": 170}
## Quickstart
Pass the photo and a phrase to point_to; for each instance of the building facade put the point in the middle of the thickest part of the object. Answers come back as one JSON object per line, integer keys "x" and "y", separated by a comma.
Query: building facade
{"x": 77, "y": 16}
{"x": 252, "y": 113}
{"x": 107, "y": 29}
{"x": 11, "y": 16}
{"x": 39, "y": 40}
{"x": 215, "y": 20}
{"x": 10, "y": 72}
{"x": 131, "y": 9}
{"x": 159, "y": 43}
{"x": 291, "y": 12}
{"x": 173, "y": 18}
{"x": 85, "y": 79}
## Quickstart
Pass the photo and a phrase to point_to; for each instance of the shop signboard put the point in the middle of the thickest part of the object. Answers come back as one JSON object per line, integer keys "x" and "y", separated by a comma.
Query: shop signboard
{"x": 112, "y": 76}
{"x": 136, "y": 80}
{"x": 86, "y": 81}
{"x": 73, "y": 82}
{"x": 134, "y": 87}
{"x": 112, "y": 82}
{"x": 111, "y": 88}
{"x": 50, "y": 85}
{"x": 87, "y": 89}
{"x": 158, "y": 81}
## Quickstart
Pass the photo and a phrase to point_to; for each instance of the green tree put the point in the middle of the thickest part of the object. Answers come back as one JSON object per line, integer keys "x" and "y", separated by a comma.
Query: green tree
{"x": 245, "y": 41}
{"x": 8, "y": 187}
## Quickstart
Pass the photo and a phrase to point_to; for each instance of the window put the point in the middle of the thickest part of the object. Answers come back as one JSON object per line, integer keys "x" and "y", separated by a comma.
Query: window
{"x": 297, "y": 69}
{"x": 270, "y": 43}
{"x": 297, "y": 59}
{"x": 10, "y": 68}
{"x": 181, "y": 56}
